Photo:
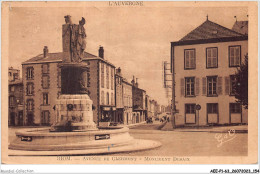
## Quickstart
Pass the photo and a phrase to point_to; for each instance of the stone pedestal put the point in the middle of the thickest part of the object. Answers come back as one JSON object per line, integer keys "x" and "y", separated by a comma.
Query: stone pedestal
{"x": 74, "y": 107}
{"x": 74, "y": 113}
{"x": 74, "y": 78}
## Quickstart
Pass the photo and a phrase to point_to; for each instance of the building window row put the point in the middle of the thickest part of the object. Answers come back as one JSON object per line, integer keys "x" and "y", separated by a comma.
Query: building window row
{"x": 211, "y": 86}
{"x": 212, "y": 111}
{"x": 234, "y": 54}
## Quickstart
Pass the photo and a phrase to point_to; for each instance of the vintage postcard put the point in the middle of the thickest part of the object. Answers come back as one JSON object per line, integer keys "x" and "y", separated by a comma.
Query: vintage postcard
{"x": 129, "y": 82}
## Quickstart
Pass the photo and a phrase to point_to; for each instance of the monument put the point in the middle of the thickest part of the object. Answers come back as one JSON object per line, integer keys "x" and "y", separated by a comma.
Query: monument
{"x": 74, "y": 107}
{"x": 75, "y": 132}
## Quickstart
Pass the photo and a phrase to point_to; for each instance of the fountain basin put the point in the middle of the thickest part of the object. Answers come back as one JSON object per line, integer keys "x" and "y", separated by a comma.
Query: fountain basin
{"x": 102, "y": 141}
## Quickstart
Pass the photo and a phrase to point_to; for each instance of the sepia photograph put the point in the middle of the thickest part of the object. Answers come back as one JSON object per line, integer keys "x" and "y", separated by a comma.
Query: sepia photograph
{"x": 129, "y": 82}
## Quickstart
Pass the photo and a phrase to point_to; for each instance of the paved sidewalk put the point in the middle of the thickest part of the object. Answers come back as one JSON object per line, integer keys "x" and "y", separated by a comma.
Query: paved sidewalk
{"x": 211, "y": 129}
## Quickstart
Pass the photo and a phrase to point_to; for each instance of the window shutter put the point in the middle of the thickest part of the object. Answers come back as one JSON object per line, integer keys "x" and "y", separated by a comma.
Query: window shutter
{"x": 182, "y": 86}
{"x": 214, "y": 61}
{"x": 197, "y": 88}
{"x": 232, "y": 54}
{"x": 219, "y": 86}
{"x": 204, "y": 86}
{"x": 237, "y": 56}
{"x": 209, "y": 57}
{"x": 193, "y": 59}
{"x": 227, "y": 83}
{"x": 187, "y": 59}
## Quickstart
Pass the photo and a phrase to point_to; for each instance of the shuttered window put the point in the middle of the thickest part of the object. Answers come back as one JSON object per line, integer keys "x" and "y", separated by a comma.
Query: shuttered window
{"x": 45, "y": 98}
{"x": 45, "y": 82}
{"x": 29, "y": 88}
{"x": 234, "y": 56}
{"x": 189, "y": 59}
{"x": 212, "y": 57}
{"x": 29, "y": 73}
{"x": 189, "y": 86}
{"x": 212, "y": 86}
{"x": 30, "y": 105}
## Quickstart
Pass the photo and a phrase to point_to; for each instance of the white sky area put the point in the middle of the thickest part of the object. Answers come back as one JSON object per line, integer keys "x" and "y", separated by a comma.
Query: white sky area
{"x": 137, "y": 39}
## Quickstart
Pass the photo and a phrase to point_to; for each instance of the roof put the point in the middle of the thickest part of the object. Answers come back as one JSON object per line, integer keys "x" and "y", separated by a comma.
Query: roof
{"x": 241, "y": 27}
{"x": 57, "y": 57}
{"x": 210, "y": 30}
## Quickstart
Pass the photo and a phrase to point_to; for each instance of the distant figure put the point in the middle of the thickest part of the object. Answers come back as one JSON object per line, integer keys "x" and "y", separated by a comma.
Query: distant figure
{"x": 168, "y": 119}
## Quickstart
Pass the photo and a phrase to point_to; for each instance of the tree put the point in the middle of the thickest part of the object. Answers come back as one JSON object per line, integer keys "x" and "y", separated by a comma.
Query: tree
{"x": 241, "y": 83}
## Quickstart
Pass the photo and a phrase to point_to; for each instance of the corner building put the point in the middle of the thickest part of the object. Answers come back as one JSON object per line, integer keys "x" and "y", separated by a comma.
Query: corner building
{"x": 204, "y": 62}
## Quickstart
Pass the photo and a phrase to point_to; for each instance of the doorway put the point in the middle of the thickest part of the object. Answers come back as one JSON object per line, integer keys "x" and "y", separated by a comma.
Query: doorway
{"x": 30, "y": 119}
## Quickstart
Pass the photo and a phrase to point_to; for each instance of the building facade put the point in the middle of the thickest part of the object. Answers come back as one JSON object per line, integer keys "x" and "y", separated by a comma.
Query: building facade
{"x": 204, "y": 62}
{"x": 139, "y": 108}
{"x": 119, "y": 97}
{"x": 127, "y": 102}
{"x": 102, "y": 90}
{"x": 42, "y": 84}
{"x": 15, "y": 93}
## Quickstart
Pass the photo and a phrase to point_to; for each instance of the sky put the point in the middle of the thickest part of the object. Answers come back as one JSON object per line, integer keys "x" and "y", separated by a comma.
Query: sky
{"x": 136, "y": 39}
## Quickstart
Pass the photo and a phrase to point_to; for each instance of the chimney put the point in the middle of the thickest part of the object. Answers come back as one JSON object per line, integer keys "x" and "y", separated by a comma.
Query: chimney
{"x": 118, "y": 71}
{"x": 136, "y": 83}
{"x": 45, "y": 51}
{"x": 133, "y": 81}
{"x": 101, "y": 52}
